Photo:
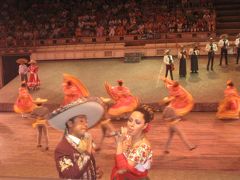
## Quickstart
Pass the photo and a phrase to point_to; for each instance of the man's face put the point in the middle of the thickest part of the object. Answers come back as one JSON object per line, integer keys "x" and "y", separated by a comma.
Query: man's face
{"x": 78, "y": 127}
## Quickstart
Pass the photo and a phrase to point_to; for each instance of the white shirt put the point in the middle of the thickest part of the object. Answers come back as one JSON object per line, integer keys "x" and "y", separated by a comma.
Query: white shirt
{"x": 22, "y": 69}
{"x": 221, "y": 43}
{"x": 167, "y": 59}
{"x": 74, "y": 139}
{"x": 237, "y": 42}
{"x": 214, "y": 47}
{"x": 191, "y": 52}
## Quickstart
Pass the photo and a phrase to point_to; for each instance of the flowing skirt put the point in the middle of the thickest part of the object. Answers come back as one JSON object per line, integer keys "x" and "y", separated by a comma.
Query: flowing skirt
{"x": 33, "y": 80}
{"x": 229, "y": 108}
{"x": 24, "y": 105}
{"x": 123, "y": 105}
{"x": 183, "y": 104}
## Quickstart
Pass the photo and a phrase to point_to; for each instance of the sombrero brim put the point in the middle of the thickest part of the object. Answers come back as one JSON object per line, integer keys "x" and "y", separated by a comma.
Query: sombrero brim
{"x": 40, "y": 101}
{"x": 21, "y": 60}
{"x": 166, "y": 51}
{"x": 32, "y": 62}
{"x": 92, "y": 109}
{"x": 223, "y": 36}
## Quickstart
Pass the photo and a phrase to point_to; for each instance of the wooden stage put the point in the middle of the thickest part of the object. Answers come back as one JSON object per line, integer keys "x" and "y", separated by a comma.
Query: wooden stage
{"x": 217, "y": 156}
{"x": 142, "y": 78}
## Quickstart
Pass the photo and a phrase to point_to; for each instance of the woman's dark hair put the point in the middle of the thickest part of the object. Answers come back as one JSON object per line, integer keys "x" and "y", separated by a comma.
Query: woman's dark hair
{"x": 73, "y": 119}
{"x": 230, "y": 84}
{"x": 23, "y": 85}
{"x": 69, "y": 83}
{"x": 120, "y": 83}
{"x": 147, "y": 112}
{"x": 175, "y": 84}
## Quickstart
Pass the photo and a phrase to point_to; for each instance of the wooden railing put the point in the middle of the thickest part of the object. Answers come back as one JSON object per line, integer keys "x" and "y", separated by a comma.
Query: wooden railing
{"x": 160, "y": 37}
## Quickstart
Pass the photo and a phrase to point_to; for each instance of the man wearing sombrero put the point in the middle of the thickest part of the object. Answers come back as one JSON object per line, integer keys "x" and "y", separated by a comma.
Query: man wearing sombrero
{"x": 73, "y": 154}
{"x": 168, "y": 60}
{"x": 40, "y": 113}
{"x": 237, "y": 43}
{"x": 211, "y": 48}
{"x": 22, "y": 69}
{"x": 224, "y": 44}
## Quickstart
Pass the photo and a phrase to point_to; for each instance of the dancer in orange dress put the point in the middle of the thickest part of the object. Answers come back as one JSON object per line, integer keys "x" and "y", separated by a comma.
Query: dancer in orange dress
{"x": 24, "y": 103}
{"x": 229, "y": 108}
{"x": 183, "y": 100}
{"x": 33, "y": 79}
{"x": 73, "y": 89}
{"x": 124, "y": 101}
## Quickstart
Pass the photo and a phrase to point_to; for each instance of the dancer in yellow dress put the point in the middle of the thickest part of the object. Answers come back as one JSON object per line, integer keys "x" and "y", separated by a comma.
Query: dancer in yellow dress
{"x": 229, "y": 108}
{"x": 40, "y": 114}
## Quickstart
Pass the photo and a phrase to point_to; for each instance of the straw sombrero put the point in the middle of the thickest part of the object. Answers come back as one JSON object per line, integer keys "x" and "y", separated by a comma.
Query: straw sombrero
{"x": 40, "y": 100}
{"x": 21, "y": 61}
{"x": 166, "y": 51}
{"x": 223, "y": 35}
{"x": 32, "y": 61}
{"x": 92, "y": 108}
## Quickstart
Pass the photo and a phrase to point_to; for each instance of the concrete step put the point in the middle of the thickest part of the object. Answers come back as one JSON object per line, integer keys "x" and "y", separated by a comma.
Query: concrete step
{"x": 226, "y": 2}
{"x": 228, "y": 19}
{"x": 228, "y": 7}
{"x": 231, "y": 32}
{"x": 228, "y": 13}
{"x": 228, "y": 25}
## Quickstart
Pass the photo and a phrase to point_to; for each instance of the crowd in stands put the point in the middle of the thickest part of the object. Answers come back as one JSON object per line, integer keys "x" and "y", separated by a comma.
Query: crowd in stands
{"x": 44, "y": 19}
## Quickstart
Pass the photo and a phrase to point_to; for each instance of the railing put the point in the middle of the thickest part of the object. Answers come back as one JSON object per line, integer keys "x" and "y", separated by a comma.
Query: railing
{"x": 160, "y": 37}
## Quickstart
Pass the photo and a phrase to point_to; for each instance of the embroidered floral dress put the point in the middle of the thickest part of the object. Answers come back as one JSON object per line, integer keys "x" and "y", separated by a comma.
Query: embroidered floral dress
{"x": 141, "y": 155}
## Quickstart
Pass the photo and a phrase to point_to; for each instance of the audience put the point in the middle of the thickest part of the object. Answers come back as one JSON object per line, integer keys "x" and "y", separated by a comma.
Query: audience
{"x": 44, "y": 19}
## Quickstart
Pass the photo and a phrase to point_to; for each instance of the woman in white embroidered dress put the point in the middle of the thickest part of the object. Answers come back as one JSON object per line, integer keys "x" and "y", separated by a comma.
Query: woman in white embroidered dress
{"x": 133, "y": 154}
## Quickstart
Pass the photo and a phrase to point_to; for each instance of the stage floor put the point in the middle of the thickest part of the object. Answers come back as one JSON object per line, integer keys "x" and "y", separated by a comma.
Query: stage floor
{"x": 141, "y": 78}
{"x": 217, "y": 156}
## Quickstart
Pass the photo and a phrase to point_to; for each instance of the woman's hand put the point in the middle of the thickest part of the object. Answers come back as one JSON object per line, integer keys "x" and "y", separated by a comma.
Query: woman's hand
{"x": 121, "y": 171}
{"x": 99, "y": 173}
{"x": 123, "y": 135}
{"x": 120, "y": 139}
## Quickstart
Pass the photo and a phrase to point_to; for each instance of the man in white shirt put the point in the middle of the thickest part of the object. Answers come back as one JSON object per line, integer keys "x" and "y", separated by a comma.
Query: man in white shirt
{"x": 22, "y": 69}
{"x": 237, "y": 43}
{"x": 211, "y": 48}
{"x": 168, "y": 60}
{"x": 223, "y": 43}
